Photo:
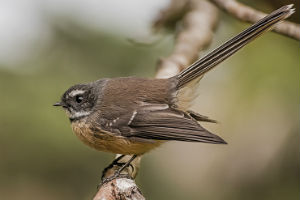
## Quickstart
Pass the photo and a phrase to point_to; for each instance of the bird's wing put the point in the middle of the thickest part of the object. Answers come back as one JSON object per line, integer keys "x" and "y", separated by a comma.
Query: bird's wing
{"x": 167, "y": 124}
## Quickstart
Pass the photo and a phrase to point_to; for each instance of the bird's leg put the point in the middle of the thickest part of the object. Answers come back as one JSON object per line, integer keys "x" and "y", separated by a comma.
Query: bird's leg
{"x": 114, "y": 162}
{"x": 118, "y": 172}
{"x": 125, "y": 165}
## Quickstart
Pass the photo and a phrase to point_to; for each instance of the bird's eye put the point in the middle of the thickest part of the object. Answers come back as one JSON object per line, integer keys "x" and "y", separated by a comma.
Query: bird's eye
{"x": 78, "y": 98}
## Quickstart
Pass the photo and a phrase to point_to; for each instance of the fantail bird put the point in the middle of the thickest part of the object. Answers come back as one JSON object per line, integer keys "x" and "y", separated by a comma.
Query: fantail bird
{"x": 131, "y": 116}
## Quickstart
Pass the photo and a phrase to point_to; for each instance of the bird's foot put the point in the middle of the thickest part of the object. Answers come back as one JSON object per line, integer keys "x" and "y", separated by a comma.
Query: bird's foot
{"x": 117, "y": 173}
{"x": 110, "y": 178}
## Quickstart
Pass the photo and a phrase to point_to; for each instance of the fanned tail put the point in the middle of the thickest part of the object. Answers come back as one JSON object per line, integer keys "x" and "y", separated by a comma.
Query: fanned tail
{"x": 208, "y": 62}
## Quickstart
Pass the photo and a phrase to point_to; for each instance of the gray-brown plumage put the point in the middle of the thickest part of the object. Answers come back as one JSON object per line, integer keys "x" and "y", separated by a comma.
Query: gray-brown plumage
{"x": 134, "y": 115}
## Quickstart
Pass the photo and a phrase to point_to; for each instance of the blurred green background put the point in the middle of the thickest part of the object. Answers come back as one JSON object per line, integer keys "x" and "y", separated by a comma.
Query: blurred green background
{"x": 254, "y": 95}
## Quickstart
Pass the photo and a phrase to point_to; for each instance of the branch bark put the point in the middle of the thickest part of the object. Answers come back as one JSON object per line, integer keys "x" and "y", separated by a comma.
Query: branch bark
{"x": 199, "y": 21}
{"x": 196, "y": 34}
{"x": 248, "y": 14}
{"x": 119, "y": 189}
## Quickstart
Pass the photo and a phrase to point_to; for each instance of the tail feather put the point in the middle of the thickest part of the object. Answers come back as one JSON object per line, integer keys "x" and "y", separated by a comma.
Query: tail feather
{"x": 208, "y": 62}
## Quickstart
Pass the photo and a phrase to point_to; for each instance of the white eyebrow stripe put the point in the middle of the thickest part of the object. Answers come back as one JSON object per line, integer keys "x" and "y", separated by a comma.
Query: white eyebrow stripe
{"x": 76, "y": 92}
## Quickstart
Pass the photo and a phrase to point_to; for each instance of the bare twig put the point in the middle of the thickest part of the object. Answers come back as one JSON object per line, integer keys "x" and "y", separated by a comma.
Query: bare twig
{"x": 248, "y": 14}
{"x": 168, "y": 17}
{"x": 196, "y": 34}
{"x": 199, "y": 20}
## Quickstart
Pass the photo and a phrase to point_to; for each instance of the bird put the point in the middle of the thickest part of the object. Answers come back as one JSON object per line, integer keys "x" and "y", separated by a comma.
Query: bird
{"x": 132, "y": 115}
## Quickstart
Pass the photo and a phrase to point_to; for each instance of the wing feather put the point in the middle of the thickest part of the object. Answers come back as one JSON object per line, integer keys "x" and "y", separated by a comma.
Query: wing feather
{"x": 170, "y": 124}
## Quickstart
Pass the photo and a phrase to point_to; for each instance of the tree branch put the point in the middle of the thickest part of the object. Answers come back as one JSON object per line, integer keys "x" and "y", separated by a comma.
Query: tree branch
{"x": 196, "y": 34}
{"x": 119, "y": 189}
{"x": 248, "y": 14}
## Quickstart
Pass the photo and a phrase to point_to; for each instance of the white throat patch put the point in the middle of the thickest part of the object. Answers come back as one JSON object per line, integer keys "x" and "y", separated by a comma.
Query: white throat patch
{"x": 78, "y": 114}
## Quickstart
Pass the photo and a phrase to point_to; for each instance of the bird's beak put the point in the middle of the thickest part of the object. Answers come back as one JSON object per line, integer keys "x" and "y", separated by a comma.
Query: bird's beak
{"x": 57, "y": 104}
